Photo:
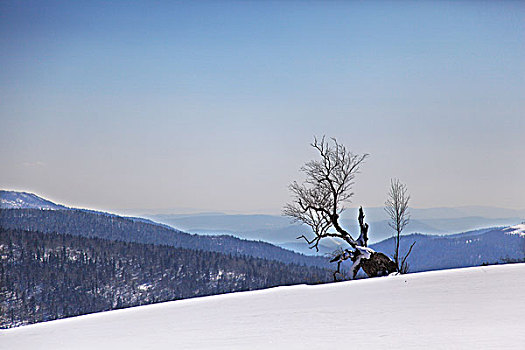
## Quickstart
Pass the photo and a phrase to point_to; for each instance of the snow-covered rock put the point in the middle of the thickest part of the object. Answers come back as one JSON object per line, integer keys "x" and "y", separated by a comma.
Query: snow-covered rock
{"x": 471, "y": 308}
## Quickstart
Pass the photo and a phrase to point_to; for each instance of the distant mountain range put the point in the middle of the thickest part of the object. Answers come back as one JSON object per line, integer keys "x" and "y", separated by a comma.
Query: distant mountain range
{"x": 89, "y": 223}
{"x": 489, "y": 245}
{"x": 279, "y": 230}
{"x": 486, "y": 246}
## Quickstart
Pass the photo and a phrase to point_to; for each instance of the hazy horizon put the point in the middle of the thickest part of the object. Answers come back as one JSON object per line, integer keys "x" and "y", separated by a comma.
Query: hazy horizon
{"x": 212, "y": 105}
{"x": 470, "y": 211}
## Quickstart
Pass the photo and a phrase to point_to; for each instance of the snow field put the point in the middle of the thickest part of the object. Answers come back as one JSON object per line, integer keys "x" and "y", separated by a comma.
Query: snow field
{"x": 471, "y": 308}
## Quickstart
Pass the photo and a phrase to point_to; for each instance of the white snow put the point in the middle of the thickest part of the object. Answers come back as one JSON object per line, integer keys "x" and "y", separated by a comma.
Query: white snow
{"x": 472, "y": 308}
{"x": 365, "y": 253}
{"x": 516, "y": 230}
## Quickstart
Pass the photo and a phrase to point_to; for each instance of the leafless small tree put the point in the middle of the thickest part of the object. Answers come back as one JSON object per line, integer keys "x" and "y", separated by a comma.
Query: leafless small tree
{"x": 319, "y": 201}
{"x": 396, "y": 207}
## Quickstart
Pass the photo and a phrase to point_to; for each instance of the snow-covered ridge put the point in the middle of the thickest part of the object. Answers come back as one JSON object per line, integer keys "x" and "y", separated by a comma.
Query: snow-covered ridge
{"x": 516, "y": 230}
{"x": 24, "y": 200}
{"x": 471, "y": 308}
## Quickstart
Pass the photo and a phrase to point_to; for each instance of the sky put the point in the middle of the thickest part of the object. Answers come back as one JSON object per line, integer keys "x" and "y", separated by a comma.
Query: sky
{"x": 211, "y": 106}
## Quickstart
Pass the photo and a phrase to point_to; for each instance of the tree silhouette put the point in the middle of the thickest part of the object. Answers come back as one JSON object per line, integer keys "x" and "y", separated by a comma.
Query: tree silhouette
{"x": 319, "y": 201}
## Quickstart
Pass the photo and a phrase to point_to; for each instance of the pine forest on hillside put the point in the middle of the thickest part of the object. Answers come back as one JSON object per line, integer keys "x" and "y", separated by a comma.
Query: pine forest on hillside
{"x": 107, "y": 226}
{"x": 46, "y": 276}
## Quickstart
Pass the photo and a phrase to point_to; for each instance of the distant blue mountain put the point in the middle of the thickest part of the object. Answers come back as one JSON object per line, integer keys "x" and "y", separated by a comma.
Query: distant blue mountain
{"x": 473, "y": 248}
{"x": 437, "y": 252}
{"x": 431, "y": 252}
{"x": 279, "y": 230}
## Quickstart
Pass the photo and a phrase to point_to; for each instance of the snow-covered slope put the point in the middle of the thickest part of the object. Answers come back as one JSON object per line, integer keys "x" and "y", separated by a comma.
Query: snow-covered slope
{"x": 472, "y": 308}
{"x": 24, "y": 200}
{"x": 516, "y": 230}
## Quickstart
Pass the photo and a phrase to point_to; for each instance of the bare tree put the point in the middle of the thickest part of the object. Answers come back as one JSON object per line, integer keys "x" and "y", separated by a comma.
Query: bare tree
{"x": 319, "y": 201}
{"x": 397, "y": 208}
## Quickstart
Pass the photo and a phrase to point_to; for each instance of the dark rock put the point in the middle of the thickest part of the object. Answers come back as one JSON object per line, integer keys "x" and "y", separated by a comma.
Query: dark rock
{"x": 378, "y": 265}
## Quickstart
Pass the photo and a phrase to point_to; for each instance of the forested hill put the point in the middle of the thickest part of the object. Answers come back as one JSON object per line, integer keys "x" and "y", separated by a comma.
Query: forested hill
{"x": 474, "y": 248}
{"x": 106, "y": 226}
{"x": 50, "y": 276}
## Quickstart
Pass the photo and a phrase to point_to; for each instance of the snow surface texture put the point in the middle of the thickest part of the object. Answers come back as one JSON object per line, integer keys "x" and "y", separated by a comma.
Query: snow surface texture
{"x": 472, "y": 308}
{"x": 516, "y": 230}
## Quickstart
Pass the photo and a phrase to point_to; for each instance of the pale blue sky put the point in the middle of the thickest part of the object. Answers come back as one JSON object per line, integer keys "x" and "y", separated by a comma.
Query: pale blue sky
{"x": 212, "y": 105}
